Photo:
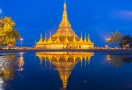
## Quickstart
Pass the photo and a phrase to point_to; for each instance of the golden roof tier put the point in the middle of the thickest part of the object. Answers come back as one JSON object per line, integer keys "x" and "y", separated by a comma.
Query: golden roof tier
{"x": 65, "y": 61}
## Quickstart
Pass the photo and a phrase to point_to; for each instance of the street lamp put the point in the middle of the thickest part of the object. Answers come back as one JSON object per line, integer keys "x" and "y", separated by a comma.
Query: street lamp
{"x": 21, "y": 39}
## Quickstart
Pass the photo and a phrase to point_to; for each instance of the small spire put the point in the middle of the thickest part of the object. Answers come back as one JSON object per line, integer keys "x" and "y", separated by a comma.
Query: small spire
{"x": 89, "y": 38}
{"x": 85, "y": 40}
{"x": 74, "y": 38}
{"x": 50, "y": 37}
{"x": 81, "y": 37}
{"x": 41, "y": 38}
{"x": 58, "y": 39}
{"x": 45, "y": 37}
{"x": 66, "y": 40}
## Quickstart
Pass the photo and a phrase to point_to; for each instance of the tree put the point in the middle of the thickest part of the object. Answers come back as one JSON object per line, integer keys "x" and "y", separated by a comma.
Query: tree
{"x": 126, "y": 40}
{"x": 8, "y": 35}
{"x": 115, "y": 38}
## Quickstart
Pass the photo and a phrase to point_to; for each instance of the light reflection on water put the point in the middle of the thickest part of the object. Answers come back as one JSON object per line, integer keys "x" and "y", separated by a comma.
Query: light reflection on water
{"x": 65, "y": 71}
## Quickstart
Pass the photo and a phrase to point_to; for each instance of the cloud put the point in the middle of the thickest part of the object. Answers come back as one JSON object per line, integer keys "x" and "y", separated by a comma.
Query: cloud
{"x": 121, "y": 14}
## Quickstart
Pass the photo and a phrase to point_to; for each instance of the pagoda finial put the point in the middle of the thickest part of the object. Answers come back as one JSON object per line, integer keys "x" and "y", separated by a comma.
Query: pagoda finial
{"x": 85, "y": 40}
{"x": 65, "y": 5}
{"x": 89, "y": 38}
{"x": 64, "y": 17}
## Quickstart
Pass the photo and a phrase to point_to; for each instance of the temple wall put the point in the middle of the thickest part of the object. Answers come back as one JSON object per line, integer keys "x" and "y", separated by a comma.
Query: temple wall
{"x": 66, "y": 46}
{"x": 87, "y": 46}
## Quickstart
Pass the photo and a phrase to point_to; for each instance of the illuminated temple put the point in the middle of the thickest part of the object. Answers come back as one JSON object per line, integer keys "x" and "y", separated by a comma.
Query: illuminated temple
{"x": 65, "y": 37}
{"x": 65, "y": 62}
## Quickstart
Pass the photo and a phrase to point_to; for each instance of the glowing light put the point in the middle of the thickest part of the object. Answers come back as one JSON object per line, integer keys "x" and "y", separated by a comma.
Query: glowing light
{"x": 0, "y": 11}
{"x": 21, "y": 39}
{"x": 107, "y": 39}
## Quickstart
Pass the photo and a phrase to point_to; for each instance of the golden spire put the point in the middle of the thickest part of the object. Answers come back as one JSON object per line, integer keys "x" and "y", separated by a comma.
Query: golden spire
{"x": 58, "y": 39}
{"x": 89, "y": 38}
{"x": 50, "y": 37}
{"x": 66, "y": 40}
{"x": 85, "y": 40}
{"x": 64, "y": 26}
{"x": 81, "y": 37}
{"x": 65, "y": 18}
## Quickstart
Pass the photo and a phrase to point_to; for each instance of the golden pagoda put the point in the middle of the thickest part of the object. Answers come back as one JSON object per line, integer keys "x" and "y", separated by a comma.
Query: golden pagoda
{"x": 65, "y": 61}
{"x": 64, "y": 38}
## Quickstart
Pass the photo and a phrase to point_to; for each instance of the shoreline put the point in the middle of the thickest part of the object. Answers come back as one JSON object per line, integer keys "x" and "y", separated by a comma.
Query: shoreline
{"x": 69, "y": 50}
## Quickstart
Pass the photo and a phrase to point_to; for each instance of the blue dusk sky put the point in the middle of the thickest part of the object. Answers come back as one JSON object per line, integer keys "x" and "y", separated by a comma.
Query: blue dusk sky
{"x": 97, "y": 17}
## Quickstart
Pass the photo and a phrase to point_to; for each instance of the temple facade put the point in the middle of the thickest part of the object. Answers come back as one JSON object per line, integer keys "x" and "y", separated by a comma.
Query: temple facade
{"x": 65, "y": 37}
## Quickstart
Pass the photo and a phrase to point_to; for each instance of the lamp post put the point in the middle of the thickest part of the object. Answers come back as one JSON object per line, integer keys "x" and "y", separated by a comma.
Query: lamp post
{"x": 21, "y": 39}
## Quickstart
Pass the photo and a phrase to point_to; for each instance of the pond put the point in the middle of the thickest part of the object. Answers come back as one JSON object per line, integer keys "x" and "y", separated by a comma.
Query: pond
{"x": 65, "y": 71}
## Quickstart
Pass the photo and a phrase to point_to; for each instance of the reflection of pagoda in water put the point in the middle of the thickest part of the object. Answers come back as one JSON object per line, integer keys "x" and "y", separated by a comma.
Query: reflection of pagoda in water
{"x": 64, "y": 61}
{"x": 65, "y": 37}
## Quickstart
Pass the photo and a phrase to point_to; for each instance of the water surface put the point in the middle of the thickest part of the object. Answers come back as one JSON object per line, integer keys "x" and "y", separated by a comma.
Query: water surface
{"x": 65, "y": 71}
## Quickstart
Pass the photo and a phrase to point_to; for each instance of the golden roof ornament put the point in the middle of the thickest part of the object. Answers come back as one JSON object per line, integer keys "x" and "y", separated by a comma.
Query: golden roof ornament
{"x": 50, "y": 38}
{"x": 74, "y": 38}
{"x": 81, "y": 37}
{"x": 41, "y": 38}
{"x": 89, "y": 38}
{"x": 85, "y": 40}
{"x": 66, "y": 40}
{"x": 45, "y": 38}
{"x": 58, "y": 39}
